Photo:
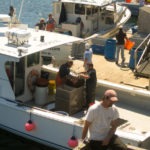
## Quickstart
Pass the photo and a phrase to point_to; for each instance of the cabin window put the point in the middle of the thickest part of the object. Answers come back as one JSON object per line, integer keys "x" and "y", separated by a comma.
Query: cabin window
{"x": 94, "y": 10}
{"x": 19, "y": 77}
{"x": 109, "y": 20}
{"x": 9, "y": 66}
{"x": 79, "y": 9}
{"x": 15, "y": 73}
{"x": 88, "y": 11}
{"x": 46, "y": 60}
{"x": 33, "y": 59}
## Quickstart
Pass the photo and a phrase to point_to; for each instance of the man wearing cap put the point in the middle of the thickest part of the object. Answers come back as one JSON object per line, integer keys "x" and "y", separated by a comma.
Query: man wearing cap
{"x": 102, "y": 120}
{"x": 120, "y": 37}
{"x": 87, "y": 56}
{"x": 41, "y": 25}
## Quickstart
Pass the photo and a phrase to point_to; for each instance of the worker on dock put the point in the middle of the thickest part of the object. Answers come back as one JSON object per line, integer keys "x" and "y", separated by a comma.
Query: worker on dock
{"x": 120, "y": 37}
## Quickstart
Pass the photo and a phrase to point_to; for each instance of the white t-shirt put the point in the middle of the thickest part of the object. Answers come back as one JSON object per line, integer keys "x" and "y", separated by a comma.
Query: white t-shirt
{"x": 101, "y": 118}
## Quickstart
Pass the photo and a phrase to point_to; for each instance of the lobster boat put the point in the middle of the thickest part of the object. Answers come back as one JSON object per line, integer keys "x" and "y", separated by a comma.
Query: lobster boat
{"x": 88, "y": 18}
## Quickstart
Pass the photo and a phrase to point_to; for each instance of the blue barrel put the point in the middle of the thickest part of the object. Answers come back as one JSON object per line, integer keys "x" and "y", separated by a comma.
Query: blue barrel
{"x": 132, "y": 59}
{"x": 110, "y": 49}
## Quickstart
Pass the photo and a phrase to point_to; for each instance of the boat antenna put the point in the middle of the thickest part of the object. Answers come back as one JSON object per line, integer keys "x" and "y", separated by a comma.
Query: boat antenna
{"x": 11, "y": 2}
{"x": 20, "y": 10}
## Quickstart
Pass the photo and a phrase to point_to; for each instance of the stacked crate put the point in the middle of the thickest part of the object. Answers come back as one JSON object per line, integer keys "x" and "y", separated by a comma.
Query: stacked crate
{"x": 69, "y": 99}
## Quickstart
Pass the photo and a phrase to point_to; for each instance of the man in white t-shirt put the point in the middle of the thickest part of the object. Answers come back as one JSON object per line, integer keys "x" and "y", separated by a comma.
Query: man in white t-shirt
{"x": 101, "y": 120}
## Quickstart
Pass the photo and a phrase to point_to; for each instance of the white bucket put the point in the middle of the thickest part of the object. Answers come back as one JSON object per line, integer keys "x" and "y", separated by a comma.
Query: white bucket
{"x": 41, "y": 94}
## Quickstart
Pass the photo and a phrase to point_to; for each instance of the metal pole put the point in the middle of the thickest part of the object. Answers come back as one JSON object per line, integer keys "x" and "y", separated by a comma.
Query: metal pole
{"x": 149, "y": 84}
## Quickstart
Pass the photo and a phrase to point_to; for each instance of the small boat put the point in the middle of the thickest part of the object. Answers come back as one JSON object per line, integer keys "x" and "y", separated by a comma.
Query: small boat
{"x": 29, "y": 106}
{"x": 89, "y": 18}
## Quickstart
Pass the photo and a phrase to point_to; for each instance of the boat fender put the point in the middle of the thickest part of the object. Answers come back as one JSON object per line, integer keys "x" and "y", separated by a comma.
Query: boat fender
{"x": 73, "y": 142}
{"x": 29, "y": 126}
{"x": 32, "y": 80}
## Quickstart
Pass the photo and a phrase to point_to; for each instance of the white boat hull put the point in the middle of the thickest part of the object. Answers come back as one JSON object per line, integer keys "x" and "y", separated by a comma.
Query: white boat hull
{"x": 52, "y": 129}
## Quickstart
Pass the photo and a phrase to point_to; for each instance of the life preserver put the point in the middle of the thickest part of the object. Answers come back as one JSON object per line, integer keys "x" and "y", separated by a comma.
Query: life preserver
{"x": 32, "y": 79}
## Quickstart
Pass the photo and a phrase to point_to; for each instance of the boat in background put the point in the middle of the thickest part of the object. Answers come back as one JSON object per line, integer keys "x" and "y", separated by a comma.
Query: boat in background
{"x": 87, "y": 18}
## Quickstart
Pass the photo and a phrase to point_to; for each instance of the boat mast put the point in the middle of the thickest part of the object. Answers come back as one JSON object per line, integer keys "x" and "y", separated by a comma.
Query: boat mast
{"x": 20, "y": 10}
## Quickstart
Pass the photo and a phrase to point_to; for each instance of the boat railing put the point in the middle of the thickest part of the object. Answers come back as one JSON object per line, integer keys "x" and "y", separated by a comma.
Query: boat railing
{"x": 146, "y": 52}
{"x": 122, "y": 13}
{"x": 145, "y": 42}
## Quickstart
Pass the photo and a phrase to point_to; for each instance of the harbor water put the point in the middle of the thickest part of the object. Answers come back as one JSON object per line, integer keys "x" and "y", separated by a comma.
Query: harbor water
{"x": 29, "y": 12}
{"x": 9, "y": 141}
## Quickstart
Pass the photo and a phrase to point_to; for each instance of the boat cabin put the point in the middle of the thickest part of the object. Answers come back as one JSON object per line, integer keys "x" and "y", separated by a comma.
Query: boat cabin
{"x": 21, "y": 60}
{"x": 83, "y": 19}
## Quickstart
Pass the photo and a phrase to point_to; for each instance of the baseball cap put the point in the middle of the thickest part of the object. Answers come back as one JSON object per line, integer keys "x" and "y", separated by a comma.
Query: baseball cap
{"x": 111, "y": 94}
{"x": 87, "y": 46}
{"x": 42, "y": 19}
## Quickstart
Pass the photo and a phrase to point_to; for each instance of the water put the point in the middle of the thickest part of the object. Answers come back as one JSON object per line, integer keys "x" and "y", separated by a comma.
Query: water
{"x": 9, "y": 141}
{"x": 32, "y": 10}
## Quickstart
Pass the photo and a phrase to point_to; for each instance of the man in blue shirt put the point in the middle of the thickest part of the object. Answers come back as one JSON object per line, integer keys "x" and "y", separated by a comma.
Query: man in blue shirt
{"x": 87, "y": 56}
